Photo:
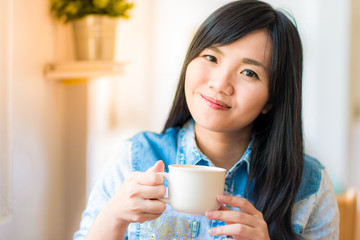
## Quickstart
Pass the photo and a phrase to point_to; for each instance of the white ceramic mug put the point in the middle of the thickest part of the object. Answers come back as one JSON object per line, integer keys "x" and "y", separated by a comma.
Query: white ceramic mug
{"x": 193, "y": 189}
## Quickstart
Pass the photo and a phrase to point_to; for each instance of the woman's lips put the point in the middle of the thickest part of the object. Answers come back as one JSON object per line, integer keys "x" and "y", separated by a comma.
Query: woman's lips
{"x": 215, "y": 104}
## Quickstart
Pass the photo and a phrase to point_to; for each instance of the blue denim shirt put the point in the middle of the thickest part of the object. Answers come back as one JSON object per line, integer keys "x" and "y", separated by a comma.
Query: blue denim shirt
{"x": 315, "y": 213}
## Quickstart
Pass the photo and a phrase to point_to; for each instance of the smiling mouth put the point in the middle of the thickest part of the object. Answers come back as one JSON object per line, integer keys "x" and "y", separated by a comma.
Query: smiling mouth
{"x": 215, "y": 104}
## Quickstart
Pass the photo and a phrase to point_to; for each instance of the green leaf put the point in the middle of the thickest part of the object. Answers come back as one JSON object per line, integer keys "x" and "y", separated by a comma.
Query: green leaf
{"x": 100, "y": 3}
{"x": 67, "y": 10}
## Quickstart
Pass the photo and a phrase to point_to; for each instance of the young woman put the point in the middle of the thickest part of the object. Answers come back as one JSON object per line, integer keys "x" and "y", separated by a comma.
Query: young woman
{"x": 237, "y": 106}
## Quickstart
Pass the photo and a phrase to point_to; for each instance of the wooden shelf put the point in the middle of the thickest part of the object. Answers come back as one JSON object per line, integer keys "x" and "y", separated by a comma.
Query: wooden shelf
{"x": 81, "y": 70}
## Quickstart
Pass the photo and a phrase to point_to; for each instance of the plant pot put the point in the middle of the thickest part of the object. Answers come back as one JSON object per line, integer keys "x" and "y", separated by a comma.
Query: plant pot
{"x": 95, "y": 37}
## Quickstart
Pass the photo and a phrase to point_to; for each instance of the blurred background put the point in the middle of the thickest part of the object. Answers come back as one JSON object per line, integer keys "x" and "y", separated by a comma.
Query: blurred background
{"x": 56, "y": 136}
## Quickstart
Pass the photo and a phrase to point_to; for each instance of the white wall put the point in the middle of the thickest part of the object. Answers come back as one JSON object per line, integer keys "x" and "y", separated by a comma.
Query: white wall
{"x": 5, "y": 114}
{"x": 37, "y": 127}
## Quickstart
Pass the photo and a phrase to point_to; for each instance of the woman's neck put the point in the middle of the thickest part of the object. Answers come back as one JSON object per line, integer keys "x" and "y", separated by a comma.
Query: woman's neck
{"x": 224, "y": 149}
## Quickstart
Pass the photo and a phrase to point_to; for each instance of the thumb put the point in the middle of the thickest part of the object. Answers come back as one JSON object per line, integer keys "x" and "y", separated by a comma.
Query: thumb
{"x": 159, "y": 166}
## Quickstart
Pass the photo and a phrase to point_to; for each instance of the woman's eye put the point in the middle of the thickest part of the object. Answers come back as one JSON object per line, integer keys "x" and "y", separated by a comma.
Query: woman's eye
{"x": 250, "y": 73}
{"x": 211, "y": 58}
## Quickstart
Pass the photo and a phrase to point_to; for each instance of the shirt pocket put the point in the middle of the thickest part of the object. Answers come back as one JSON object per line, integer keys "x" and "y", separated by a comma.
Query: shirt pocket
{"x": 169, "y": 228}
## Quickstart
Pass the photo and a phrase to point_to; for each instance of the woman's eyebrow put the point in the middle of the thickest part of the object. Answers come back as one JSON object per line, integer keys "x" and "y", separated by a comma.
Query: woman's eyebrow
{"x": 253, "y": 62}
{"x": 215, "y": 49}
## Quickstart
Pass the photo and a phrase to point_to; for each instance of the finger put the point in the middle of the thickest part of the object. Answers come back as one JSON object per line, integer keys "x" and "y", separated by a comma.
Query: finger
{"x": 150, "y": 209}
{"x": 153, "y": 206}
{"x": 145, "y": 206}
{"x": 221, "y": 208}
{"x": 150, "y": 178}
{"x": 145, "y": 191}
{"x": 159, "y": 166}
{"x": 231, "y": 217}
{"x": 236, "y": 230}
{"x": 149, "y": 192}
{"x": 242, "y": 203}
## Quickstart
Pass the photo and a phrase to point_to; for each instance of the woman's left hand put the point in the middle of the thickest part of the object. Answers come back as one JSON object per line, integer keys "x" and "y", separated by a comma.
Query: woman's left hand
{"x": 245, "y": 224}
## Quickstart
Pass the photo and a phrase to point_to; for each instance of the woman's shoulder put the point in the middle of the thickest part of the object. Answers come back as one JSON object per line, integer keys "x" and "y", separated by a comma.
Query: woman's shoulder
{"x": 314, "y": 173}
{"x": 148, "y": 141}
{"x": 315, "y": 209}
{"x": 170, "y": 135}
{"x": 149, "y": 147}
{"x": 144, "y": 137}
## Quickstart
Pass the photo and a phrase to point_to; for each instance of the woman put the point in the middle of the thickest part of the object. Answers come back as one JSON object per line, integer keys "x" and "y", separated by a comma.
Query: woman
{"x": 237, "y": 106}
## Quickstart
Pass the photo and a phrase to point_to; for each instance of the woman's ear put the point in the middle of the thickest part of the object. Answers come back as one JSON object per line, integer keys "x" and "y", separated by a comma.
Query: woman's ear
{"x": 267, "y": 108}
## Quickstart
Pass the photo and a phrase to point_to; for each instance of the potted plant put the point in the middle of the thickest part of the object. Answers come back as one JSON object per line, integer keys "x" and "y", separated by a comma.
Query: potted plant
{"x": 94, "y": 24}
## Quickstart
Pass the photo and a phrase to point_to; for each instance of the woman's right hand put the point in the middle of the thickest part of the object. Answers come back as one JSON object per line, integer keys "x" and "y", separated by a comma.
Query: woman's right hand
{"x": 135, "y": 201}
{"x": 137, "y": 198}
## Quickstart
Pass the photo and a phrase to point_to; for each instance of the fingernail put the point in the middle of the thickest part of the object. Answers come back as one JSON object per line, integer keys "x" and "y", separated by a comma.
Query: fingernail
{"x": 209, "y": 214}
{"x": 212, "y": 231}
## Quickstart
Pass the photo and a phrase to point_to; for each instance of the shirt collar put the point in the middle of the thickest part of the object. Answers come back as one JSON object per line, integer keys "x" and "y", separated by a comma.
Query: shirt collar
{"x": 189, "y": 153}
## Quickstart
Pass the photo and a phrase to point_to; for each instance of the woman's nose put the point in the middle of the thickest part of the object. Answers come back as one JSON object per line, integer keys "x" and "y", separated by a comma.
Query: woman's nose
{"x": 221, "y": 81}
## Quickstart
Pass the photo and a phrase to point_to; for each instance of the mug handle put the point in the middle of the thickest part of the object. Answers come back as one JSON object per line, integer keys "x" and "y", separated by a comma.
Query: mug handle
{"x": 168, "y": 199}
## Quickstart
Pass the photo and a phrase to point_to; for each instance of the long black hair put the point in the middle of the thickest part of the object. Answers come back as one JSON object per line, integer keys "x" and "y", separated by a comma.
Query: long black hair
{"x": 277, "y": 154}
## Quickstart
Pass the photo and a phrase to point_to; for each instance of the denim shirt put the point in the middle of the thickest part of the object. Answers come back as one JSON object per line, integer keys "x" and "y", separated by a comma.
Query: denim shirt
{"x": 315, "y": 213}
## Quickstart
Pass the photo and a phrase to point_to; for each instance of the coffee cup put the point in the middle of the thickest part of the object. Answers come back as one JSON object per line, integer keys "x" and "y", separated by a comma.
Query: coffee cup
{"x": 193, "y": 189}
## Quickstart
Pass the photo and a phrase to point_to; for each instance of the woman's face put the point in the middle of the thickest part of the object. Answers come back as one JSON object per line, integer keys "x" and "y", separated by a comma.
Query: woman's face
{"x": 226, "y": 87}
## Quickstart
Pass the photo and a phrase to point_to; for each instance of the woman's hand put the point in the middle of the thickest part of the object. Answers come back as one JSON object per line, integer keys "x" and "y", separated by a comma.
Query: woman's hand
{"x": 245, "y": 224}
{"x": 135, "y": 201}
